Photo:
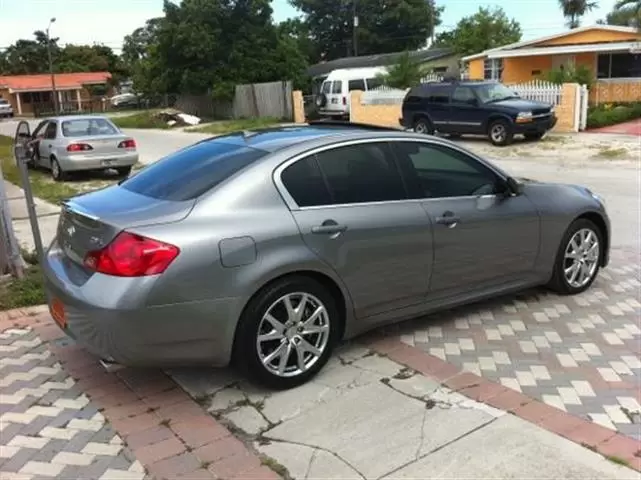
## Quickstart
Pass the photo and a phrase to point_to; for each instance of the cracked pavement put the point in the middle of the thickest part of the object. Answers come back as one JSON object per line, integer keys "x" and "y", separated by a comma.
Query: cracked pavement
{"x": 367, "y": 417}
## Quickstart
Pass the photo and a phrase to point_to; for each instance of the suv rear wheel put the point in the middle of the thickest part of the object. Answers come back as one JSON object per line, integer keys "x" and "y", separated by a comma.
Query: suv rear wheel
{"x": 423, "y": 125}
{"x": 500, "y": 133}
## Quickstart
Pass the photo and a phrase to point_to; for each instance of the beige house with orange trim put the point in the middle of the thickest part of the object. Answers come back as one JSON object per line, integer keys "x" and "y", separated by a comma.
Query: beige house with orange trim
{"x": 612, "y": 53}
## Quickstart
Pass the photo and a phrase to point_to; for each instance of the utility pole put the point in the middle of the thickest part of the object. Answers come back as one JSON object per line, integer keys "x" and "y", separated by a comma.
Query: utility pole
{"x": 355, "y": 28}
{"x": 432, "y": 20}
{"x": 53, "y": 77}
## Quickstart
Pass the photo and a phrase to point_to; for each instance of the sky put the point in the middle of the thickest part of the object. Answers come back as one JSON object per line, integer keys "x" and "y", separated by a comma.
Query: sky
{"x": 108, "y": 21}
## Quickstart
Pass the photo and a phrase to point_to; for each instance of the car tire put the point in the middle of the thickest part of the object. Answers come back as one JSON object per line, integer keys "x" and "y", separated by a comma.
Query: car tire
{"x": 571, "y": 282}
{"x": 260, "y": 360}
{"x": 423, "y": 125}
{"x": 534, "y": 136}
{"x": 124, "y": 171}
{"x": 58, "y": 174}
{"x": 500, "y": 133}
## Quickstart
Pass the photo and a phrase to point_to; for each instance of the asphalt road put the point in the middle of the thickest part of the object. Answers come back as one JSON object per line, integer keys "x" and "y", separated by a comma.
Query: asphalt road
{"x": 619, "y": 183}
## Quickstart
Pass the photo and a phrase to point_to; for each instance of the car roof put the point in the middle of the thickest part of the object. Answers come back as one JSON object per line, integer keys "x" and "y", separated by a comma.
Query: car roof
{"x": 281, "y": 137}
{"x": 76, "y": 117}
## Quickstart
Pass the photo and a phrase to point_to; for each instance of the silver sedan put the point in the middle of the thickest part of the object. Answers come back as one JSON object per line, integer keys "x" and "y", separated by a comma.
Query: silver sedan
{"x": 81, "y": 143}
{"x": 269, "y": 247}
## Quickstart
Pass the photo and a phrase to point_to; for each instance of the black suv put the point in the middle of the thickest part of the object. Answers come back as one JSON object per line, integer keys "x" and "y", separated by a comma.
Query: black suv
{"x": 475, "y": 107}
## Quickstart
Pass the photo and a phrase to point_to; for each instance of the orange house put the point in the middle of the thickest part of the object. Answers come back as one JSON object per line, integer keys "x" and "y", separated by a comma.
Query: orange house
{"x": 612, "y": 53}
{"x": 30, "y": 93}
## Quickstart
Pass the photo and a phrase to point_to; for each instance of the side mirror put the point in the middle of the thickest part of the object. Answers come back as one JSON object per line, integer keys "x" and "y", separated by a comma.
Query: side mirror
{"x": 514, "y": 187}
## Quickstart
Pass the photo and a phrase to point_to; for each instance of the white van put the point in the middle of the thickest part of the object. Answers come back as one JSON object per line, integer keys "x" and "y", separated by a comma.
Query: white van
{"x": 333, "y": 99}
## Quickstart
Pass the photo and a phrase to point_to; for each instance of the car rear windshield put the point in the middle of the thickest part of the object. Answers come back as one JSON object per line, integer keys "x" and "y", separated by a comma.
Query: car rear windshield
{"x": 3, "y": 102}
{"x": 84, "y": 127}
{"x": 192, "y": 171}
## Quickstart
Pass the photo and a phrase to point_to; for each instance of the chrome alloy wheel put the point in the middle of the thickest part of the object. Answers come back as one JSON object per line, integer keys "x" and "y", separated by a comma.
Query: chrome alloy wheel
{"x": 498, "y": 132}
{"x": 581, "y": 258}
{"x": 293, "y": 334}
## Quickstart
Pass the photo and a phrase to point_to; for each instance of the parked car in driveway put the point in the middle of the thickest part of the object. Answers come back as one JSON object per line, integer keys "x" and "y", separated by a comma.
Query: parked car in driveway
{"x": 473, "y": 107}
{"x": 6, "y": 110}
{"x": 267, "y": 248}
{"x": 80, "y": 143}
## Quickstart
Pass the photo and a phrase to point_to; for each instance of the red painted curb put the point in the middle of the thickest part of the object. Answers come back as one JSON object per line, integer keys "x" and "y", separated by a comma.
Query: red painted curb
{"x": 579, "y": 430}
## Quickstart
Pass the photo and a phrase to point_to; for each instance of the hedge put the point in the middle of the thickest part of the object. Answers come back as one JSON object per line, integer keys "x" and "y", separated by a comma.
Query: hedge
{"x": 613, "y": 113}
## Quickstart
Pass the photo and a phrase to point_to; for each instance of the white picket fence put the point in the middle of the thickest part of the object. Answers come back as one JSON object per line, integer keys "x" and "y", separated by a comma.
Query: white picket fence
{"x": 383, "y": 96}
{"x": 432, "y": 77}
{"x": 540, "y": 91}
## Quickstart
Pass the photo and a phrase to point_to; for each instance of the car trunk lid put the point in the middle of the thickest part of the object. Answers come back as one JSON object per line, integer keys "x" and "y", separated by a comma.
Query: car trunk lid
{"x": 89, "y": 222}
{"x": 100, "y": 145}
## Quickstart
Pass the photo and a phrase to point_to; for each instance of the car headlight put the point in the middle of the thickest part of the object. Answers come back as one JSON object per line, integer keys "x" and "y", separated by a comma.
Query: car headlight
{"x": 524, "y": 117}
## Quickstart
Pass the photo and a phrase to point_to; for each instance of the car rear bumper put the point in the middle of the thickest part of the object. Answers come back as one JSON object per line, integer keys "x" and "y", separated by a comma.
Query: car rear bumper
{"x": 537, "y": 126}
{"x": 108, "y": 316}
{"x": 75, "y": 162}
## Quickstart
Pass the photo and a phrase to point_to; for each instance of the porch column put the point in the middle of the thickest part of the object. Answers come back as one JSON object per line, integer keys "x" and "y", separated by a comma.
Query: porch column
{"x": 79, "y": 100}
{"x": 60, "y": 106}
{"x": 18, "y": 103}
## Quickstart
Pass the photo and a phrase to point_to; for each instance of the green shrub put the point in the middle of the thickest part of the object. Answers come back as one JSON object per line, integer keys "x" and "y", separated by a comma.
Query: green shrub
{"x": 581, "y": 75}
{"x": 612, "y": 113}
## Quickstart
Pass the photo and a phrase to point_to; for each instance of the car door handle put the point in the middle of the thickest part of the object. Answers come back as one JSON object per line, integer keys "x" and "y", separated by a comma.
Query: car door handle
{"x": 329, "y": 228}
{"x": 448, "y": 219}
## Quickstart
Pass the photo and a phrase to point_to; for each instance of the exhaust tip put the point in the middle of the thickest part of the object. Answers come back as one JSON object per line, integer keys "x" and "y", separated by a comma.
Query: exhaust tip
{"x": 110, "y": 366}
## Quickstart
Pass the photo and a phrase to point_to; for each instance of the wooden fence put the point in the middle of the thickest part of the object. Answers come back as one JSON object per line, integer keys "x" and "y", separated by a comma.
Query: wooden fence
{"x": 273, "y": 99}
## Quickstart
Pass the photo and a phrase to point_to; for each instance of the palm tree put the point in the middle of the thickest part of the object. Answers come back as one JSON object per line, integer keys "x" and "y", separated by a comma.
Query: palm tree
{"x": 631, "y": 7}
{"x": 573, "y": 10}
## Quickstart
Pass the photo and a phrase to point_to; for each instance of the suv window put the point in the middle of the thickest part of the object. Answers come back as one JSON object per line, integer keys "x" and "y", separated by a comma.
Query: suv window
{"x": 304, "y": 182}
{"x": 463, "y": 95}
{"x": 436, "y": 171}
{"x": 438, "y": 94}
{"x": 192, "y": 171}
{"x": 337, "y": 86}
{"x": 361, "y": 173}
{"x": 356, "y": 85}
{"x": 50, "y": 132}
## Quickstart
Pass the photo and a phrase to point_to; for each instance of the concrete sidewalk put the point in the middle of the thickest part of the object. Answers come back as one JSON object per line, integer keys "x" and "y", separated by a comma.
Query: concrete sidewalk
{"x": 368, "y": 417}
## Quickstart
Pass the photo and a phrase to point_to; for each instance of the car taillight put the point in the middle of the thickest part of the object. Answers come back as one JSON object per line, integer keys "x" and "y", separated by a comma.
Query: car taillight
{"x": 131, "y": 143}
{"x": 344, "y": 100}
{"x": 78, "y": 147}
{"x": 131, "y": 255}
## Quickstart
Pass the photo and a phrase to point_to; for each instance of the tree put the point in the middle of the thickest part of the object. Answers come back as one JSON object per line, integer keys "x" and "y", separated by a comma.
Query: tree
{"x": 405, "y": 74}
{"x": 298, "y": 30}
{"x": 626, "y": 13}
{"x": 484, "y": 30}
{"x": 573, "y": 10}
{"x": 385, "y": 26}
{"x": 31, "y": 56}
{"x": 201, "y": 46}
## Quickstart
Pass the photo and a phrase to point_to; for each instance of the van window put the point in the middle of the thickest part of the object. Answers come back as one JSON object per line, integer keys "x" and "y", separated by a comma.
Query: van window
{"x": 337, "y": 86}
{"x": 326, "y": 88}
{"x": 356, "y": 85}
{"x": 373, "y": 83}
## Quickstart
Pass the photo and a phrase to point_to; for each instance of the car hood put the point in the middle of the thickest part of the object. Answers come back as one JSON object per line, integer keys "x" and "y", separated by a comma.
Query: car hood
{"x": 521, "y": 104}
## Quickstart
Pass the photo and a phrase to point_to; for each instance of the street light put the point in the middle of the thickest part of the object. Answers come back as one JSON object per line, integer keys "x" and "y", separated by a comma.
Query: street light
{"x": 53, "y": 77}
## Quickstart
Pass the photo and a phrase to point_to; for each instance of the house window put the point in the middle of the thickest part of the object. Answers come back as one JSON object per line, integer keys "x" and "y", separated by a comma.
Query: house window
{"x": 619, "y": 65}
{"x": 492, "y": 68}
{"x": 35, "y": 97}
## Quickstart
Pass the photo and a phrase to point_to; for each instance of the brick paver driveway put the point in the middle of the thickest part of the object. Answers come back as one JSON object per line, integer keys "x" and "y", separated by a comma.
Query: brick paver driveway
{"x": 48, "y": 427}
{"x": 579, "y": 354}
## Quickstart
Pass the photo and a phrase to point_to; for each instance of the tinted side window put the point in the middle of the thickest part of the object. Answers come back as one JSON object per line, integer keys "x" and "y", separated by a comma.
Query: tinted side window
{"x": 326, "y": 87}
{"x": 356, "y": 85}
{"x": 304, "y": 182}
{"x": 435, "y": 171}
{"x": 50, "y": 132}
{"x": 192, "y": 171}
{"x": 373, "y": 83}
{"x": 361, "y": 173}
{"x": 337, "y": 86}
{"x": 463, "y": 95}
{"x": 438, "y": 94}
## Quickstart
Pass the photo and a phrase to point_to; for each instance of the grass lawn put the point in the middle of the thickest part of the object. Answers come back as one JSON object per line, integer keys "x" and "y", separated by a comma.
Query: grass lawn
{"x": 25, "y": 292}
{"x": 146, "y": 119}
{"x": 228, "y": 126}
